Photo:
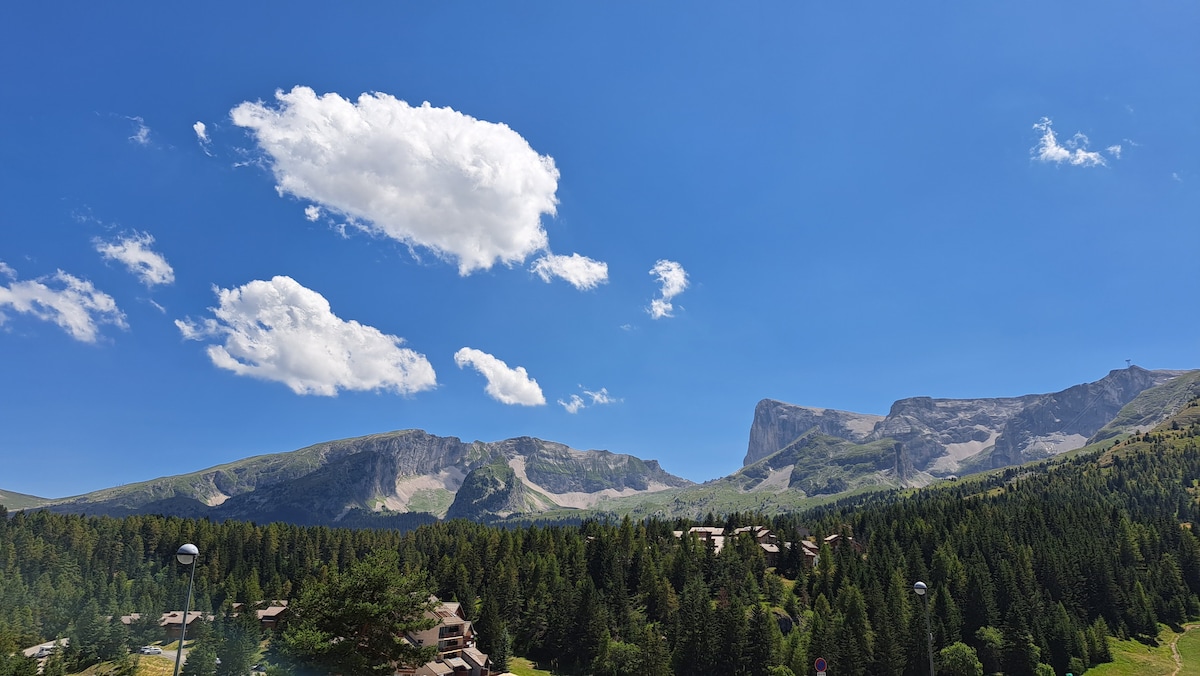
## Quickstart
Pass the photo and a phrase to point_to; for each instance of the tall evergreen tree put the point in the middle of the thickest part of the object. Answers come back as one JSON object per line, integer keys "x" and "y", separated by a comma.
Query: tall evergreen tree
{"x": 355, "y": 623}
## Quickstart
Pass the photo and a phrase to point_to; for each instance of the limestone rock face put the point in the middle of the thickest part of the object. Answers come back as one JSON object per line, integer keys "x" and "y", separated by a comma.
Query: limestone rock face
{"x": 387, "y": 480}
{"x": 928, "y": 428}
{"x": 777, "y": 424}
{"x": 493, "y": 491}
{"x": 945, "y": 436}
{"x": 1064, "y": 420}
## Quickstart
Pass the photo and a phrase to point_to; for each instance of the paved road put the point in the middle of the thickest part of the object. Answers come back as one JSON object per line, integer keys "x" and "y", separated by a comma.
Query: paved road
{"x": 31, "y": 651}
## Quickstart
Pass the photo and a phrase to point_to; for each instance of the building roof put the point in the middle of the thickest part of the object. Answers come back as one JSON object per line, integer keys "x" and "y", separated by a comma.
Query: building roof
{"x": 473, "y": 655}
{"x": 176, "y": 617}
{"x": 436, "y": 668}
{"x": 271, "y": 612}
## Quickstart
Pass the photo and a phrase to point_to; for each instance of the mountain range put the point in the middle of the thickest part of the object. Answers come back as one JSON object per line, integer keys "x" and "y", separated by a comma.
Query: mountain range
{"x": 796, "y": 455}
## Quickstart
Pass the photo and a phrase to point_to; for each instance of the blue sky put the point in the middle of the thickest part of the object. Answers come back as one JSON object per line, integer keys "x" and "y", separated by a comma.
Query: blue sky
{"x": 617, "y": 226}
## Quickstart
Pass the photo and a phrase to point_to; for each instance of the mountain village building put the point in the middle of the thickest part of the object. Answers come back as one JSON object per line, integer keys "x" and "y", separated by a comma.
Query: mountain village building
{"x": 454, "y": 637}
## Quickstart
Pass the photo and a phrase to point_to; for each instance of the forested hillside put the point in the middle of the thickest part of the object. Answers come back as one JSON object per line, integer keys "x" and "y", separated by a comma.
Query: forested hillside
{"x": 1032, "y": 566}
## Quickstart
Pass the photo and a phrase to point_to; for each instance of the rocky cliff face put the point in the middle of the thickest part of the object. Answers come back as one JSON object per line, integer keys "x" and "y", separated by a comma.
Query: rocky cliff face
{"x": 387, "y": 474}
{"x": 1065, "y": 420}
{"x": 938, "y": 435}
{"x": 777, "y": 424}
{"x": 494, "y": 491}
{"x": 930, "y": 428}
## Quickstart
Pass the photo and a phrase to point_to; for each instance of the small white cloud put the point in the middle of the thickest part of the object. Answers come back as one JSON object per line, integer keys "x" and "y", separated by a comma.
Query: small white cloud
{"x": 504, "y": 384}
{"x": 674, "y": 281}
{"x": 202, "y": 137}
{"x": 1176, "y": 177}
{"x": 141, "y": 133}
{"x": 1073, "y": 151}
{"x": 1114, "y": 150}
{"x": 284, "y": 332}
{"x": 76, "y": 305}
{"x": 134, "y": 252}
{"x": 469, "y": 190}
{"x": 573, "y": 404}
{"x": 601, "y": 397}
{"x": 312, "y": 212}
{"x": 580, "y": 271}
{"x": 576, "y": 403}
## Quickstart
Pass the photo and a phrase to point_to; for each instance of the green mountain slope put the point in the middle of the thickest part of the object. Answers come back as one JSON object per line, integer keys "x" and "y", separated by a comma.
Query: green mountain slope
{"x": 1152, "y": 406}
{"x": 13, "y": 500}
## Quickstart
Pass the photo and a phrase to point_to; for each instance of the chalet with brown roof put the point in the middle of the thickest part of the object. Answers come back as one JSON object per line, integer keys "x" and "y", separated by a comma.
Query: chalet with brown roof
{"x": 271, "y": 614}
{"x": 173, "y": 622}
{"x": 454, "y": 636}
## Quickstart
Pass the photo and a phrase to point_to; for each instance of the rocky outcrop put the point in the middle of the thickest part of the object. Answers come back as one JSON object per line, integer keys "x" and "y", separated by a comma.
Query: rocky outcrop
{"x": 560, "y": 469}
{"x": 928, "y": 427}
{"x": 494, "y": 491}
{"x": 777, "y": 424}
{"x": 1065, "y": 420}
{"x": 935, "y": 435}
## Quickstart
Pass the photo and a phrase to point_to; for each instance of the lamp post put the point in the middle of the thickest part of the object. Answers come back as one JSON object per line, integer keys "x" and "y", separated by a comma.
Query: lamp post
{"x": 187, "y": 555}
{"x": 920, "y": 588}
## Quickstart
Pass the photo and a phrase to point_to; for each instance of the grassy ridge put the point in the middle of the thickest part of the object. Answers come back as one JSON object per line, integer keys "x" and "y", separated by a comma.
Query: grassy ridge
{"x": 11, "y": 500}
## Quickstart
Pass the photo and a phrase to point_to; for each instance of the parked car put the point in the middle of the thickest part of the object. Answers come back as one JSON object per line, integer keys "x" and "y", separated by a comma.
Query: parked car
{"x": 44, "y": 651}
{"x": 150, "y": 650}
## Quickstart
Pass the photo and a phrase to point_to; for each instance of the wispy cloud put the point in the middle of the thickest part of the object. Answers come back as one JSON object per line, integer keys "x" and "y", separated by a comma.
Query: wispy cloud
{"x": 141, "y": 133}
{"x": 134, "y": 252}
{"x": 74, "y": 304}
{"x": 573, "y": 404}
{"x": 312, "y": 212}
{"x": 673, "y": 280}
{"x": 471, "y": 191}
{"x": 505, "y": 385}
{"x": 202, "y": 137}
{"x": 580, "y": 271}
{"x": 280, "y": 331}
{"x": 576, "y": 403}
{"x": 1073, "y": 151}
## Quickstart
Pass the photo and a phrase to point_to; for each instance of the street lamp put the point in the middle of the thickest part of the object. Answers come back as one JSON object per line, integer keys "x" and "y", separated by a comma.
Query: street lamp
{"x": 920, "y": 588}
{"x": 187, "y": 555}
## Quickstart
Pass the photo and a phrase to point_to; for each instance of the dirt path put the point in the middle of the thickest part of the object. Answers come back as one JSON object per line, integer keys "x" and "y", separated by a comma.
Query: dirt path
{"x": 1175, "y": 647}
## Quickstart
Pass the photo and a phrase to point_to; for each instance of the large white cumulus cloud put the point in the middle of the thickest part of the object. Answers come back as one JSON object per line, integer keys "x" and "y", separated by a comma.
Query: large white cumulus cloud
{"x": 504, "y": 384}
{"x": 472, "y": 191}
{"x": 284, "y": 332}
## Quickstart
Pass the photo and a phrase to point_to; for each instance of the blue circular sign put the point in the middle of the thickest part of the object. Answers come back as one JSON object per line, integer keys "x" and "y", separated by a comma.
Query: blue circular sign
{"x": 820, "y": 664}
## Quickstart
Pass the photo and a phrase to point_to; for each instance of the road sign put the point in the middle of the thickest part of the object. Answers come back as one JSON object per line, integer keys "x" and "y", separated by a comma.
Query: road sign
{"x": 820, "y": 665}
